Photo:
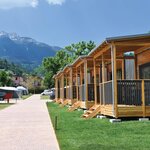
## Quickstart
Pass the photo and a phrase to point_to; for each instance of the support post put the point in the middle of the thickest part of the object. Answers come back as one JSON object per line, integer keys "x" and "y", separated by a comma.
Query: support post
{"x": 66, "y": 79}
{"x": 103, "y": 77}
{"x": 56, "y": 89}
{"x": 135, "y": 67}
{"x": 143, "y": 99}
{"x": 60, "y": 84}
{"x": 81, "y": 83}
{"x": 85, "y": 83}
{"x": 95, "y": 83}
{"x": 123, "y": 68}
{"x": 99, "y": 75}
{"x": 62, "y": 79}
{"x": 114, "y": 80}
{"x": 77, "y": 94}
{"x": 71, "y": 84}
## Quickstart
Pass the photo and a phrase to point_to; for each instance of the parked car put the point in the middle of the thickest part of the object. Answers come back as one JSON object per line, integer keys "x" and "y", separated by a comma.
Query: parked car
{"x": 46, "y": 92}
{"x": 52, "y": 93}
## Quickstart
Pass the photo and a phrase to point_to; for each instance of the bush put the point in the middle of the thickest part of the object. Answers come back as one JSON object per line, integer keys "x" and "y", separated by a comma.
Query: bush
{"x": 37, "y": 90}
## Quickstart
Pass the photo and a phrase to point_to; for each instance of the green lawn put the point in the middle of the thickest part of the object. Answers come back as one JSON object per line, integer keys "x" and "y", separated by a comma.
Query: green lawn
{"x": 75, "y": 133}
{"x": 4, "y": 105}
{"x": 25, "y": 96}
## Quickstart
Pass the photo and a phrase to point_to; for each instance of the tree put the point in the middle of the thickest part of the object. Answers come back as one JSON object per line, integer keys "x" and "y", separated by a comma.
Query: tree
{"x": 53, "y": 64}
{"x": 78, "y": 49}
{"x": 63, "y": 57}
{"x": 5, "y": 79}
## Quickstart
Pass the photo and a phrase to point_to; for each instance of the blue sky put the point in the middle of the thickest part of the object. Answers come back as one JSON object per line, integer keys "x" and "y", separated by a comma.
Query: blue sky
{"x": 62, "y": 22}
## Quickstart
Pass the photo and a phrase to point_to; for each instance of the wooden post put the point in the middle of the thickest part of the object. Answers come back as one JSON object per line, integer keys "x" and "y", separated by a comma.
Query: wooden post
{"x": 77, "y": 84}
{"x": 66, "y": 79}
{"x": 95, "y": 82}
{"x": 143, "y": 99}
{"x": 56, "y": 88}
{"x": 123, "y": 68}
{"x": 62, "y": 79}
{"x": 135, "y": 67}
{"x": 99, "y": 74}
{"x": 103, "y": 77}
{"x": 114, "y": 80}
{"x": 71, "y": 84}
{"x": 60, "y": 83}
{"x": 81, "y": 83}
{"x": 85, "y": 83}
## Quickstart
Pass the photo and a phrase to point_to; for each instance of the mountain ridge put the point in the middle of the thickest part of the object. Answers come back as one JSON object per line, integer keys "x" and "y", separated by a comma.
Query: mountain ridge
{"x": 24, "y": 50}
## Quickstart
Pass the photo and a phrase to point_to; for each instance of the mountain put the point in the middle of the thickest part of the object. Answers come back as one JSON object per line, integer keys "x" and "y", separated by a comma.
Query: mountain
{"x": 24, "y": 50}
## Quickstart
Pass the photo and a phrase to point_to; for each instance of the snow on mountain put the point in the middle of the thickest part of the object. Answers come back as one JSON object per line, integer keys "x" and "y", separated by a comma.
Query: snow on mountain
{"x": 24, "y": 50}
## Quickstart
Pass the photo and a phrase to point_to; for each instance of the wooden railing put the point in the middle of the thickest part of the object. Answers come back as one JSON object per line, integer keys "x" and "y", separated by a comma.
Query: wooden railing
{"x": 105, "y": 90}
{"x": 108, "y": 97}
{"x": 129, "y": 92}
{"x": 74, "y": 91}
{"x": 91, "y": 96}
{"x": 58, "y": 92}
{"x": 81, "y": 93}
{"x": 67, "y": 92}
{"x": 91, "y": 92}
{"x": 101, "y": 93}
{"x": 147, "y": 92}
{"x": 98, "y": 95}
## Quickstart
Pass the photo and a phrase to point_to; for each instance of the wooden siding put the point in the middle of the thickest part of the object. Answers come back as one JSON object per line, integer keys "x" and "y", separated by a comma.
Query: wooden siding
{"x": 107, "y": 110}
{"x": 87, "y": 105}
{"x": 147, "y": 111}
{"x": 130, "y": 111}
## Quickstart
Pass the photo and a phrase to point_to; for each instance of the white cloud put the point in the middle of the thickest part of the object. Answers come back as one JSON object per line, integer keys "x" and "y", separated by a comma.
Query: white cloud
{"x": 56, "y": 2}
{"x": 8, "y": 4}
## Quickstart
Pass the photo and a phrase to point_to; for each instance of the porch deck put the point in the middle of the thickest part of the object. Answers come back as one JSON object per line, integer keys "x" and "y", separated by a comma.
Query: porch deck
{"x": 133, "y": 98}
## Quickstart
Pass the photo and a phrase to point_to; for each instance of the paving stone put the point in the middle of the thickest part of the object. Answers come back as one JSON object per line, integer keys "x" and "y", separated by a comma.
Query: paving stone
{"x": 114, "y": 120}
{"x": 101, "y": 116}
{"x": 143, "y": 119}
{"x": 27, "y": 126}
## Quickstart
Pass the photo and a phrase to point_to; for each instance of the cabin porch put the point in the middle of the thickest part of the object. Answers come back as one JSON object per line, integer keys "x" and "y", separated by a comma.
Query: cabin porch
{"x": 124, "y": 85}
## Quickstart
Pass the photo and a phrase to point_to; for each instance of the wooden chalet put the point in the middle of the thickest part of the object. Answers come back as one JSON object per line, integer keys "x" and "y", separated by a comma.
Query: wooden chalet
{"x": 113, "y": 79}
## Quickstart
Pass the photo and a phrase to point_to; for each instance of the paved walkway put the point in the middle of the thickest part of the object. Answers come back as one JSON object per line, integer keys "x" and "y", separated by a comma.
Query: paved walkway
{"x": 27, "y": 126}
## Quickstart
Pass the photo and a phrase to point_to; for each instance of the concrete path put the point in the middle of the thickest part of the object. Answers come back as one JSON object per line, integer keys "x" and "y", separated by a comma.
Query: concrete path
{"x": 27, "y": 126}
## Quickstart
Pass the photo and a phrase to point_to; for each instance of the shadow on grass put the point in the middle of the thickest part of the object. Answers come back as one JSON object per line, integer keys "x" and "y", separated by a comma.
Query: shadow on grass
{"x": 7, "y": 103}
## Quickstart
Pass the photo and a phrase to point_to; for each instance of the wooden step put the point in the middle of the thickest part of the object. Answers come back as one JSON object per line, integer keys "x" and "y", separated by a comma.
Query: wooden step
{"x": 85, "y": 115}
{"x": 89, "y": 111}
{"x": 64, "y": 103}
{"x": 58, "y": 101}
{"x": 93, "y": 107}
{"x": 74, "y": 106}
{"x": 92, "y": 112}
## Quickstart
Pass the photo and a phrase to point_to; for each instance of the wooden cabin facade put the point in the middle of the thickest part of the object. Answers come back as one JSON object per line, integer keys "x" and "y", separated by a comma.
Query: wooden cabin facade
{"x": 115, "y": 76}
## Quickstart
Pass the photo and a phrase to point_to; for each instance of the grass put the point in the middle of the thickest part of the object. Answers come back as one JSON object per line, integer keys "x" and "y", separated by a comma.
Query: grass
{"x": 25, "y": 96}
{"x": 4, "y": 105}
{"x": 45, "y": 97}
{"x": 75, "y": 133}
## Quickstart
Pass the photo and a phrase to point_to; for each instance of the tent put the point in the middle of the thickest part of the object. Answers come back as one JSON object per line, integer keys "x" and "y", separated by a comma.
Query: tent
{"x": 23, "y": 90}
{"x": 13, "y": 90}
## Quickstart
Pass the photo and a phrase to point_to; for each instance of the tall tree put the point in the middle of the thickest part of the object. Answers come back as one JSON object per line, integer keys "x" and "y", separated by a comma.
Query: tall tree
{"x": 80, "y": 48}
{"x": 5, "y": 79}
{"x": 63, "y": 57}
